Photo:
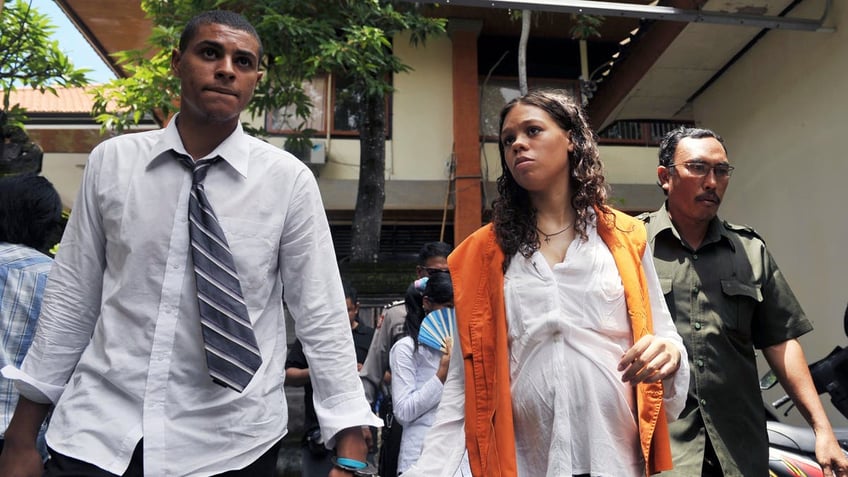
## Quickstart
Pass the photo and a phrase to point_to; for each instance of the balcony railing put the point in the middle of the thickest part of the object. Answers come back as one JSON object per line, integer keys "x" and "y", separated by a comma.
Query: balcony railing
{"x": 638, "y": 132}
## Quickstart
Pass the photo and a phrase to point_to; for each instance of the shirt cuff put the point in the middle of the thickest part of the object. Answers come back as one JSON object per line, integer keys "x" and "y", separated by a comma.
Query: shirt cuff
{"x": 31, "y": 388}
{"x": 343, "y": 412}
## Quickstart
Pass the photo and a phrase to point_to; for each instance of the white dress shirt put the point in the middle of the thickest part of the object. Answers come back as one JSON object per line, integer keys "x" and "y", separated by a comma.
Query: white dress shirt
{"x": 119, "y": 345}
{"x": 568, "y": 329}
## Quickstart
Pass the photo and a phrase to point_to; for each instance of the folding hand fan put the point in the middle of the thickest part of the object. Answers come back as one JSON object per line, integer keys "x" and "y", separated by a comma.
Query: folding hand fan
{"x": 438, "y": 329}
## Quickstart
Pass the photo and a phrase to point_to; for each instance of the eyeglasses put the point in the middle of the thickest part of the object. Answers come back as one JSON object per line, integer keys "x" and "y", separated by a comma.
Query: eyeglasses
{"x": 701, "y": 169}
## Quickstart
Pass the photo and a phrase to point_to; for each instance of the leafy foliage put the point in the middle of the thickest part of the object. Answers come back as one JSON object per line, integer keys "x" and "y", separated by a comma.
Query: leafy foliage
{"x": 301, "y": 40}
{"x": 585, "y": 26}
{"x": 29, "y": 58}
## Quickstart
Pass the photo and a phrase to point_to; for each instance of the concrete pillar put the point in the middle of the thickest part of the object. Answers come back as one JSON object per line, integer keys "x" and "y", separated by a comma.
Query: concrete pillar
{"x": 468, "y": 205}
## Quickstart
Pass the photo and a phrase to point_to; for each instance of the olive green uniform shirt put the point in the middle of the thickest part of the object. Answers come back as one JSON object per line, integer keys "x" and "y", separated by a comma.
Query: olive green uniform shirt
{"x": 727, "y": 298}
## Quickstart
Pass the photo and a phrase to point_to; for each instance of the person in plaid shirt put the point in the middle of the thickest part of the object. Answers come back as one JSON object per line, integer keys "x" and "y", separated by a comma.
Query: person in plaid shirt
{"x": 30, "y": 208}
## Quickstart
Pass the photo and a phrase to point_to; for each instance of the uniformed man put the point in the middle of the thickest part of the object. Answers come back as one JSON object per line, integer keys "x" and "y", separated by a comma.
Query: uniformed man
{"x": 727, "y": 297}
{"x": 375, "y": 373}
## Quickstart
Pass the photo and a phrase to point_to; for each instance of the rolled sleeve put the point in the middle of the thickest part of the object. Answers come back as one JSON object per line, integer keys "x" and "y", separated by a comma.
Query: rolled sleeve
{"x": 71, "y": 299}
{"x": 31, "y": 388}
{"x": 313, "y": 293}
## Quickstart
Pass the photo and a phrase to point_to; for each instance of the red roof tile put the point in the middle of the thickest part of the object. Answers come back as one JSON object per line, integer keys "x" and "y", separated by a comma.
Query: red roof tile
{"x": 66, "y": 100}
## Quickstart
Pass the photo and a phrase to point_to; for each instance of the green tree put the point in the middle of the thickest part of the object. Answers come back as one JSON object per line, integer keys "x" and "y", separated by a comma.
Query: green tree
{"x": 350, "y": 39}
{"x": 28, "y": 58}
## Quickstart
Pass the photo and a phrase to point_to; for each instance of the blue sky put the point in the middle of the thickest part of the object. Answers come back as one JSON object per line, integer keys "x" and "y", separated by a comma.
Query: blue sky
{"x": 73, "y": 44}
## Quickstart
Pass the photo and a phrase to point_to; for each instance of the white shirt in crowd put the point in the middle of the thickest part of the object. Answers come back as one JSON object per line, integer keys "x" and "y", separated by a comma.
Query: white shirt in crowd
{"x": 119, "y": 344}
{"x": 568, "y": 329}
{"x": 416, "y": 391}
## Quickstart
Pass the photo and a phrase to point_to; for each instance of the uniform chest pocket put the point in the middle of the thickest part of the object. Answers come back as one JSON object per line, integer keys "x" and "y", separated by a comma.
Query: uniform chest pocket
{"x": 741, "y": 300}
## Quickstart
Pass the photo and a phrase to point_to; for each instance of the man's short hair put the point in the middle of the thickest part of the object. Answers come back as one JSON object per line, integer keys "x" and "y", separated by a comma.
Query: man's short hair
{"x": 217, "y": 17}
{"x": 433, "y": 249}
{"x": 668, "y": 145}
{"x": 30, "y": 209}
{"x": 350, "y": 292}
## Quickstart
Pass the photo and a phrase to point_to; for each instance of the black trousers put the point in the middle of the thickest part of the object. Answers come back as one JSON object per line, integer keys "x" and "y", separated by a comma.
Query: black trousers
{"x": 63, "y": 466}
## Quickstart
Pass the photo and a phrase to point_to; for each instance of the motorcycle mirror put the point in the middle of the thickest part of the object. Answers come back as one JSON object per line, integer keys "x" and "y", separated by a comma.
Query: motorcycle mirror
{"x": 768, "y": 380}
{"x": 845, "y": 321}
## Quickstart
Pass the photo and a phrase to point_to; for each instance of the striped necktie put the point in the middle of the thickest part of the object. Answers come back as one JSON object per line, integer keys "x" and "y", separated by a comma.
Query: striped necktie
{"x": 232, "y": 353}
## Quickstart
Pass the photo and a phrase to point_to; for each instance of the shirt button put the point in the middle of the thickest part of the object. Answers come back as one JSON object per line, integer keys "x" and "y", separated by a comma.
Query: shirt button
{"x": 700, "y": 363}
{"x": 697, "y": 326}
{"x": 695, "y": 256}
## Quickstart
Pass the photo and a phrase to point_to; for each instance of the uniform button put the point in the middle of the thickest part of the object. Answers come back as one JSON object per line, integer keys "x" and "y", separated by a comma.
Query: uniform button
{"x": 703, "y": 402}
{"x": 695, "y": 256}
{"x": 700, "y": 363}
{"x": 697, "y": 326}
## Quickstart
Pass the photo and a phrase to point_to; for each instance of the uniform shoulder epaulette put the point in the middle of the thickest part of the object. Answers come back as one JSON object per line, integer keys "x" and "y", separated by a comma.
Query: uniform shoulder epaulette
{"x": 742, "y": 229}
{"x": 644, "y": 216}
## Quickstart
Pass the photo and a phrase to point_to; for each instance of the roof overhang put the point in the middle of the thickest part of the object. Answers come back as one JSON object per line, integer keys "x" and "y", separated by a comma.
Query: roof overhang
{"x": 682, "y": 45}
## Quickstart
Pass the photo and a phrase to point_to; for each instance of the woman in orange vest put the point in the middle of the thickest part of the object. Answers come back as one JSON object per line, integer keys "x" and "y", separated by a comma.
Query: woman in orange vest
{"x": 568, "y": 362}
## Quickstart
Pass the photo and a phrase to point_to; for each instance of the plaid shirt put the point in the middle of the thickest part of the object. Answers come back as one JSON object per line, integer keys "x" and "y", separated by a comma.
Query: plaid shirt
{"x": 23, "y": 274}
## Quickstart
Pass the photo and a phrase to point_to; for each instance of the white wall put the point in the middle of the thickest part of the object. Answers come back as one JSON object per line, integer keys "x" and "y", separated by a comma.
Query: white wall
{"x": 64, "y": 171}
{"x": 781, "y": 109}
{"x": 421, "y": 119}
{"x": 422, "y": 127}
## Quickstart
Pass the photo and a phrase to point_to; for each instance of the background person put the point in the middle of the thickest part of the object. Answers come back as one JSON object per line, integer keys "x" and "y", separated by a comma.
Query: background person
{"x": 569, "y": 363}
{"x": 419, "y": 372}
{"x": 30, "y": 211}
{"x": 164, "y": 279}
{"x": 375, "y": 373}
{"x": 315, "y": 457}
{"x": 728, "y": 298}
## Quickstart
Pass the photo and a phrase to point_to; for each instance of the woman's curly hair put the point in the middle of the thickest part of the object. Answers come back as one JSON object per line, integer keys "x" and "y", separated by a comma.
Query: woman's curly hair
{"x": 513, "y": 214}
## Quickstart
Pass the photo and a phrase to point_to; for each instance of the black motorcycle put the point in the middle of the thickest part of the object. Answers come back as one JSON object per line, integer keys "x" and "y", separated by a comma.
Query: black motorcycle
{"x": 792, "y": 449}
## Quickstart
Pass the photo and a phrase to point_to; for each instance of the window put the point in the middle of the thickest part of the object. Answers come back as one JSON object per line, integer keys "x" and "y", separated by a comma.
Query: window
{"x": 343, "y": 115}
{"x": 499, "y": 91}
{"x": 284, "y": 120}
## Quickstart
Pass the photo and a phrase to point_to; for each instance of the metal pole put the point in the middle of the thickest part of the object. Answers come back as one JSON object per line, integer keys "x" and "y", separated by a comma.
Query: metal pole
{"x": 649, "y": 12}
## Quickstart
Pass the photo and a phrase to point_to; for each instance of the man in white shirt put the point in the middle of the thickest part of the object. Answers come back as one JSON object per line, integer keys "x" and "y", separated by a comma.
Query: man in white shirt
{"x": 120, "y": 348}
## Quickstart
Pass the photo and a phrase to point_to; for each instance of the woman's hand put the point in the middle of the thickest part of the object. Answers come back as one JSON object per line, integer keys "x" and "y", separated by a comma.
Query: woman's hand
{"x": 442, "y": 372}
{"x": 650, "y": 360}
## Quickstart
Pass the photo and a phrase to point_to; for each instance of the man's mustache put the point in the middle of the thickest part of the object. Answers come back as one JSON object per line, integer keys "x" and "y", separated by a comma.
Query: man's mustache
{"x": 711, "y": 196}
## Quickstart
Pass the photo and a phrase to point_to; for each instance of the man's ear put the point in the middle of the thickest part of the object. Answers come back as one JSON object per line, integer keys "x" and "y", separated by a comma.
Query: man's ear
{"x": 663, "y": 174}
{"x": 175, "y": 62}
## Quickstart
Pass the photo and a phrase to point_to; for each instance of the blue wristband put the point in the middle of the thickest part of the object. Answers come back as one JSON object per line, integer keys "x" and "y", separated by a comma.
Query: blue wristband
{"x": 352, "y": 463}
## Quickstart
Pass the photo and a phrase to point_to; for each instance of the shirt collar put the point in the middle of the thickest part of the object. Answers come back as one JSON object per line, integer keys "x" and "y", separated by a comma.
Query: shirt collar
{"x": 715, "y": 231}
{"x": 234, "y": 150}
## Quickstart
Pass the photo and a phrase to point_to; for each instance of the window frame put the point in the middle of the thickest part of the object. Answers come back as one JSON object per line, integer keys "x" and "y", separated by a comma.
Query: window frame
{"x": 327, "y": 116}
